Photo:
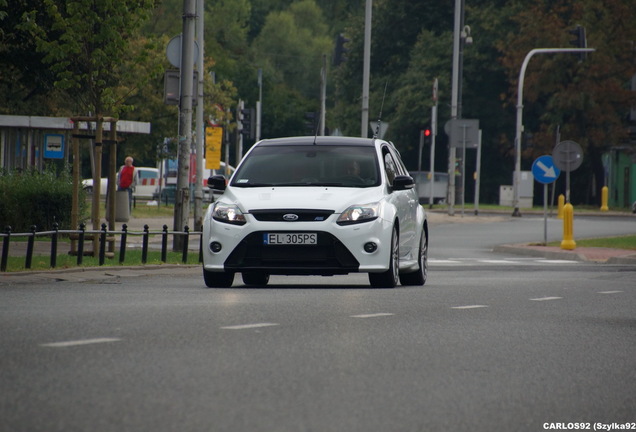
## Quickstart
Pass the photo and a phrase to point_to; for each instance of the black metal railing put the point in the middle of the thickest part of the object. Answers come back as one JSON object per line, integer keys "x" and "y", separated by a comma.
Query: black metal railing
{"x": 104, "y": 237}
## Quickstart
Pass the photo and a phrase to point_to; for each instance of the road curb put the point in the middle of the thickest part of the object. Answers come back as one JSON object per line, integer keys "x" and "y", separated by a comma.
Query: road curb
{"x": 526, "y": 251}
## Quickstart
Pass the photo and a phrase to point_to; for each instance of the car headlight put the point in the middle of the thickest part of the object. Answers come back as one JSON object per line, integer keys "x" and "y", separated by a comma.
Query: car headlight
{"x": 359, "y": 213}
{"x": 228, "y": 213}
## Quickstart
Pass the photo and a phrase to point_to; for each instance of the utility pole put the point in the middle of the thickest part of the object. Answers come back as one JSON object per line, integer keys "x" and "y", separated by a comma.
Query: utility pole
{"x": 182, "y": 197}
{"x": 323, "y": 94}
{"x": 366, "y": 70}
{"x": 452, "y": 152}
{"x": 198, "y": 187}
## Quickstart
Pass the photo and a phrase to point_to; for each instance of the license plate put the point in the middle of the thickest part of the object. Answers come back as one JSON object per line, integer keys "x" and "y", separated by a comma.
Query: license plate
{"x": 290, "y": 238}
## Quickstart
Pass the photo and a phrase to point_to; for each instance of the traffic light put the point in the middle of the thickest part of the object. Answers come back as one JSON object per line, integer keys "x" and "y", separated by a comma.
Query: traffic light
{"x": 340, "y": 53}
{"x": 427, "y": 136}
{"x": 580, "y": 40}
{"x": 247, "y": 121}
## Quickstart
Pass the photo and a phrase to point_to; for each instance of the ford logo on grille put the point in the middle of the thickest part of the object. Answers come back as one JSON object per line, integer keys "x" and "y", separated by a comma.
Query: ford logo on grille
{"x": 290, "y": 217}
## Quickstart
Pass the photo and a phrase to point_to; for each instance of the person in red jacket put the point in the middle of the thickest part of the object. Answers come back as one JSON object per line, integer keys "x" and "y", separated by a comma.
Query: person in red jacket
{"x": 126, "y": 179}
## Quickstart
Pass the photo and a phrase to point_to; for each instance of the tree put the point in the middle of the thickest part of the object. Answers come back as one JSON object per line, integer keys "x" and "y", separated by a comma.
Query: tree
{"x": 85, "y": 44}
{"x": 588, "y": 101}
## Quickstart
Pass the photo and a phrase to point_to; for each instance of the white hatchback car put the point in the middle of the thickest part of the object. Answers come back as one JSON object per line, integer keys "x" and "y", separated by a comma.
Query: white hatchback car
{"x": 316, "y": 206}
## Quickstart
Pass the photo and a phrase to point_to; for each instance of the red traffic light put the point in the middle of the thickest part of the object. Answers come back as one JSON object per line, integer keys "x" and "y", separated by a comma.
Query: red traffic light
{"x": 427, "y": 132}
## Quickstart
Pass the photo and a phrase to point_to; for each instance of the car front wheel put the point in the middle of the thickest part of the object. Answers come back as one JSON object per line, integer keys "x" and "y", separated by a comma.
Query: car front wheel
{"x": 389, "y": 278}
{"x": 218, "y": 279}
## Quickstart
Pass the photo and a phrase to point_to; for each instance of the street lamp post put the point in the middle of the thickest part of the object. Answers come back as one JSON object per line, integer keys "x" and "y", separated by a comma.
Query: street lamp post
{"x": 519, "y": 127}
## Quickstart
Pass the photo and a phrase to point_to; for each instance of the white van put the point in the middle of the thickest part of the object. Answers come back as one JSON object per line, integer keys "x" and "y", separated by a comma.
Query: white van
{"x": 169, "y": 173}
{"x": 146, "y": 182}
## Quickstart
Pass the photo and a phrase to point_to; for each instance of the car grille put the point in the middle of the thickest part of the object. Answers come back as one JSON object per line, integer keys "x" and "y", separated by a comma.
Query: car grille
{"x": 328, "y": 257}
{"x": 302, "y": 215}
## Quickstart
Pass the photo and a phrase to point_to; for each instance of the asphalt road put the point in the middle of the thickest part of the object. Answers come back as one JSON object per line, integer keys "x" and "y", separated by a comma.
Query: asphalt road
{"x": 490, "y": 343}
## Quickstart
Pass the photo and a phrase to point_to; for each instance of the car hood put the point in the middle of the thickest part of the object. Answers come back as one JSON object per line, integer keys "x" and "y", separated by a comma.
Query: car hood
{"x": 319, "y": 197}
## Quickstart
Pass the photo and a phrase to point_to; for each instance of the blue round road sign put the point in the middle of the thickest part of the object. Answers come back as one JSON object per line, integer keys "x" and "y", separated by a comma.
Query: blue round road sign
{"x": 544, "y": 170}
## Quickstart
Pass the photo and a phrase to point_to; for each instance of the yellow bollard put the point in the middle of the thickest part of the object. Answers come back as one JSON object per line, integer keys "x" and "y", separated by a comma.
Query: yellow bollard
{"x": 604, "y": 197}
{"x": 568, "y": 242}
{"x": 560, "y": 208}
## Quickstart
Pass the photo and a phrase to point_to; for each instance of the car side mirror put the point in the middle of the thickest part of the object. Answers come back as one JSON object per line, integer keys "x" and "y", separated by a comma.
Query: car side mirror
{"x": 217, "y": 182}
{"x": 403, "y": 182}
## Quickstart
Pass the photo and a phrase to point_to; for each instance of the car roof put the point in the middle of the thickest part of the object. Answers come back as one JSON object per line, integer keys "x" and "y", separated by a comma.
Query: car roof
{"x": 319, "y": 140}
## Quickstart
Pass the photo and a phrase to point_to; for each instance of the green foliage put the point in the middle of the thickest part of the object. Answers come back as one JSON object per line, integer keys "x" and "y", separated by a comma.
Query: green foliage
{"x": 84, "y": 43}
{"x": 37, "y": 198}
{"x": 93, "y": 51}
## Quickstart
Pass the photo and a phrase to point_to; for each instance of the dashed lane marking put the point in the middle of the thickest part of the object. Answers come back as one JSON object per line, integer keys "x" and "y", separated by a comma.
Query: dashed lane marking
{"x": 546, "y": 298}
{"x": 375, "y": 315}
{"x": 609, "y": 292}
{"x": 249, "y": 326}
{"x": 469, "y": 307}
{"x": 79, "y": 342}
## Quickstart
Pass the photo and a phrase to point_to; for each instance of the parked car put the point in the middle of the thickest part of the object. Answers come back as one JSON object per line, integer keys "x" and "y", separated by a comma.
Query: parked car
{"x": 316, "y": 206}
{"x": 146, "y": 182}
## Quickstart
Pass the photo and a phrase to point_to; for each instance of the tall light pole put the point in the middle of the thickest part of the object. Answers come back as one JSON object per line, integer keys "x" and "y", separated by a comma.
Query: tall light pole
{"x": 519, "y": 126}
{"x": 200, "y": 125}
{"x": 452, "y": 153}
{"x": 364, "y": 128}
{"x": 182, "y": 196}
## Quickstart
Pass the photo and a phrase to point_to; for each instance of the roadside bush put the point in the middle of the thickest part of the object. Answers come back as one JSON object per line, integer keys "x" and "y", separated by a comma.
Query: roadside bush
{"x": 37, "y": 198}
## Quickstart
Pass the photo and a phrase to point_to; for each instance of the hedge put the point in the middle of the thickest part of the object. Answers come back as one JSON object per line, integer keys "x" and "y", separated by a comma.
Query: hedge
{"x": 37, "y": 198}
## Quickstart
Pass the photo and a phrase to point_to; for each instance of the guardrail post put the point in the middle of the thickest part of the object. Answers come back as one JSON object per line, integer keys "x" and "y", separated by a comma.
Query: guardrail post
{"x": 144, "y": 245}
{"x": 5, "y": 249}
{"x": 80, "y": 244}
{"x": 164, "y": 244}
{"x": 184, "y": 256}
{"x": 29, "y": 252}
{"x": 54, "y": 245}
{"x": 102, "y": 245}
{"x": 122, "y": 244}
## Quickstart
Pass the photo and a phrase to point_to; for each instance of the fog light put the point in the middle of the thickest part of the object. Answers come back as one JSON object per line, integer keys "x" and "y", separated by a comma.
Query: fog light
{"x": 370, "y": 247}
{"x": 215, "y": 247}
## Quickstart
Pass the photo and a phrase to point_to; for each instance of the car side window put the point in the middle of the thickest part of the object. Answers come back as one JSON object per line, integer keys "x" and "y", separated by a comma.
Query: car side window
{"x": 390, "y": 167}
{"x": 401, "y": 169}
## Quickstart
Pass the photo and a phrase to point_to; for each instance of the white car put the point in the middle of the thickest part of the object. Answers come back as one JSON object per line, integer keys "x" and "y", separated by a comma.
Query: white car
{"x": 316, "y": 206}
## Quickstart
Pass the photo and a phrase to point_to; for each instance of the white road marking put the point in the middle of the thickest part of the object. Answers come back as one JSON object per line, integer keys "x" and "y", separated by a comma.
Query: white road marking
{"x": 609, "y": 292}
{"x": 375, "y": 315}
{"x": 556, "y": 261}
{"x": 504, "y": 261}
{"x": 249, "y": 326}
{"x": 79, "y": 342}
{"x": 546, "y": 298}
{"x": 469, "y": 307}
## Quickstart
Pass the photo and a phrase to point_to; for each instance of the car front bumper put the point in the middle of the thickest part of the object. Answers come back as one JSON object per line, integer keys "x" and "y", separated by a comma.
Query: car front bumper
{"x": 340, "y": 249}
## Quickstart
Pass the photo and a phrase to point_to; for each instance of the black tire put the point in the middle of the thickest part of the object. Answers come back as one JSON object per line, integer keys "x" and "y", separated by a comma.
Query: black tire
{"x": 389, "y": 278}
{"x": 418, "y": 277}
{"x": 218, "y": 279}
{"x": 255, "y": 278}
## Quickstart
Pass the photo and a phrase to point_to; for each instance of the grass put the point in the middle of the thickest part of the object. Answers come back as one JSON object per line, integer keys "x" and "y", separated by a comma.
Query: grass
{"x": 65, "y": 261}
{"x": 620, "y": 242}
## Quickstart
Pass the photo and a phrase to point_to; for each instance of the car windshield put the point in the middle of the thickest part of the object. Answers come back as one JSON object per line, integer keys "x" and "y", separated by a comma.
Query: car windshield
{"x": 303, "y": 165}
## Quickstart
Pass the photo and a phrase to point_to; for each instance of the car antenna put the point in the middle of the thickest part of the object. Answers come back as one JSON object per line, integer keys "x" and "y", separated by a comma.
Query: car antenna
{"x": 377, "y": 129}
{"x": 316, "y": 131}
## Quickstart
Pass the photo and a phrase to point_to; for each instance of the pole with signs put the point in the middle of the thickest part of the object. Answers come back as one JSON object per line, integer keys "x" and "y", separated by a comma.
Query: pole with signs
{"x": 545, "y": 171}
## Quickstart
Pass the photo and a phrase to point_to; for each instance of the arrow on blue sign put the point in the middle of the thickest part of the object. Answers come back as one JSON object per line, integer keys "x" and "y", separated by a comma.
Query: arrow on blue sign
{"x": 544, "y": 170}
